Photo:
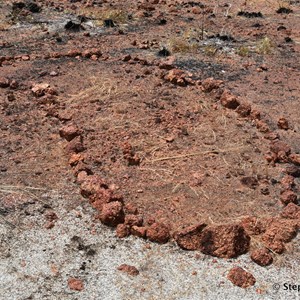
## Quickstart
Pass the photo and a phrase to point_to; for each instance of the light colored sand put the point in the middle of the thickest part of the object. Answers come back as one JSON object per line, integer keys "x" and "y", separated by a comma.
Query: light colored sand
{"x": 165, "y": 271}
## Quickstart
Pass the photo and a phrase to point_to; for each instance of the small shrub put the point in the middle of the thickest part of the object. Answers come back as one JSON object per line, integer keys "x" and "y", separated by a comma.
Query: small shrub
{"x": 264, "y": 46}
{"x": 243, "y": 51}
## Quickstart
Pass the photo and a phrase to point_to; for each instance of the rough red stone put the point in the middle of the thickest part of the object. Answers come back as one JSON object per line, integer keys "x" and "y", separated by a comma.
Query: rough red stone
{"x": 122, "y": 230}
{"x": 158, "y": 232}
{"x": 291, "y": 211}
{"x": 92, "y": 185}
{"x": 295, "y": 158}
{"x": 130, "y": 270}
{"x": 228, "y": 100}
{"x": 293, "y": 171}
{"x": 168, "y": 63}
{"x": 4, "y": 82}
{"x": 139, "y": 231}
{"x": 75, "y": 284}
{"x": 253, "y": 226}
{"x": 225, "y": 241}
{"x": 40, "y": 89}
{"x": 250, "y": 182}
{"x": 210, "y": 84}
{"x": 278, "y": 232}
{"x": 241, "y": 278}
{"x": 288, "y": 182}
{"x": 288, "y": 196}
{"x": 262, "y": 126}
{"x": 177, "y": 77}
{"x": 112, "y": 213}
{"x": 262, "y": 257}
{"x": 101, "y": 197}
{"x": 133, "y": 220}
{"x": 69, "y": 132}
{"x": 278, "y": 146}
{"x": 244, "y": 110}
{"x": 283, "y": 123}
{"x": 190, "y": 237}
{"x": 90, "y": 52}
{"x": 75, "y": 145}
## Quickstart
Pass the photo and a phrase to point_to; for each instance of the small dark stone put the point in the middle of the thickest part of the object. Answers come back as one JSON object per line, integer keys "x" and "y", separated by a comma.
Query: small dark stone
{"x": 284, "y": 10}
{"x": 281, "y": 27}
{"x": 71, "y": 26}
{"x": 247, "y": 14}
{"x": 288, "y": 39}
{"x": 109, "y": 23}
{"x": 162, "y": 22}
{"x": 164, "y": 52}
{"x": 33, "y": 7}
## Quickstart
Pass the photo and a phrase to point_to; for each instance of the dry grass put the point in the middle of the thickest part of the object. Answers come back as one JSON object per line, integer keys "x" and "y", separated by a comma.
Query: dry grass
{"x": 243, "y": 51}
{"x": 118, "y": 16}
{"x": 264, "y": 46}
{"x": 182, "y": 45}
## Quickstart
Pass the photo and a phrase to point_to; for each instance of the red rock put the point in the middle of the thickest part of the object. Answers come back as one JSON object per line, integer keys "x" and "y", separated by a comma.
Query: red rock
{"x": 69, "y": 132}
{"x": 75, "y": 145}
{"x": 283, "y": 123}
{"x": 196, "y": 10}
{"x": 92, "y": 185}
{"x": 253, "y": 225}
{"x": 287, "y": 182}
{"x": 293, "y": 171}
{"x": 73, "y": 53}
{"x": 133, "y": 220}
{"x": 158, "y": 232}
{"x": 262, "y": 126}
{"x": 250, "y": 182}
{"x": 40, "y": 89}
{"x": 241, "y": 278}
{"x": 278, "y": 232}
{"x": 168, "y": 63}
{"x": 139, "y": 231}
{"x": 244, "y": 110}
{"x": 255, "y": 114}
{"x": 90, "y": 52}
{"x": 126, "y": 57}
{"x": 112, "y": 213}
{"x": 287, "y": 197}
{"x": 291, "y": 211}
{"x": 228, "y": 100}
{"x": 4, "y": 82}
{"x": 14, "y": 84}
{"x": 295, "y": 158}
{"x": 75, "y": 284}
{"x": 122, "y": 230}
{"x": 210, "y": 84}
{"x": 101, "y": 197}
{"x": 262, "y": 257}
{"x": 75, "y": 159}
{"x": 226, "y": 241}
{"x": 280, "y": 147}
{"x": 190, "y": 237}
{"x": 177, "y": 77}
{"x": 130, "y": 208}
{"x": 130, "y": 270}
{"x": 80, "y": 167}
{"x": 51, "y": 216}
{"x": 81, "y": 177}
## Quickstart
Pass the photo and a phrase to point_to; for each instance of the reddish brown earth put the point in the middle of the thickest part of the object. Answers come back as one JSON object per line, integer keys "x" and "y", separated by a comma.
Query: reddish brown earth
{"x": 201, "y": 146}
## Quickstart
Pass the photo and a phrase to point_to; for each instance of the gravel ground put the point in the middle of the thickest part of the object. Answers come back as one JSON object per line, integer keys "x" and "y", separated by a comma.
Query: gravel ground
{"x": 36, "y": 264}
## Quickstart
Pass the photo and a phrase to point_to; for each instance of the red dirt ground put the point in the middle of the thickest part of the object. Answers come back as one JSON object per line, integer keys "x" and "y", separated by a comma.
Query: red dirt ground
{"x": 208, "y": 135}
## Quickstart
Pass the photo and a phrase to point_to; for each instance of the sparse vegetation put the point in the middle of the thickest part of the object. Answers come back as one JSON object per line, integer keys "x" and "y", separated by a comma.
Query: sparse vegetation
{"x": 182, "y": 45}
{"x": 264, "y": 46}
{"x": 243, "y": 51}
{"x": 118, "y": 16}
